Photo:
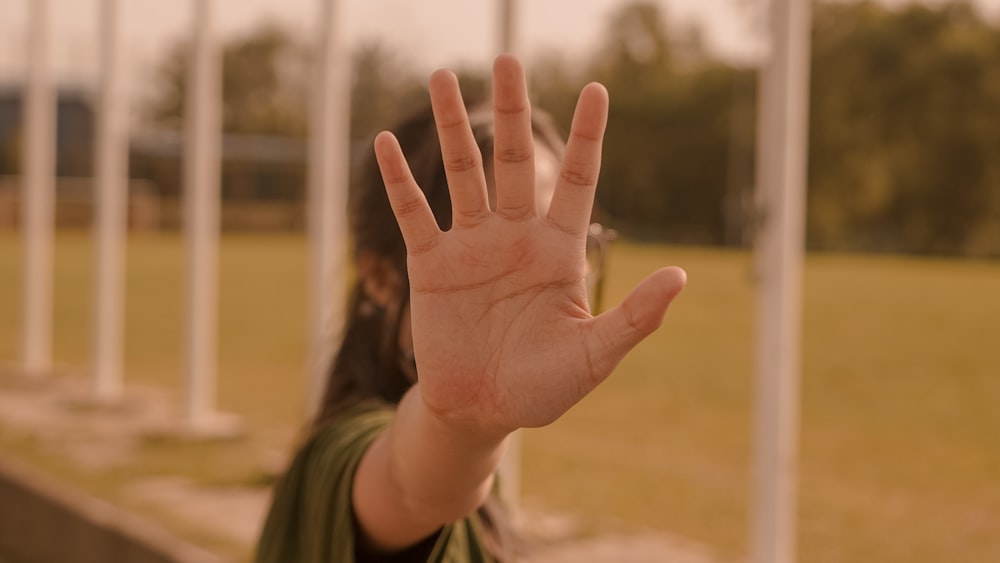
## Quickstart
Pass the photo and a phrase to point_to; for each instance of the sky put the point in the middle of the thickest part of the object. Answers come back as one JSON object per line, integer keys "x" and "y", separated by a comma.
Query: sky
{"x": 435, "y": 33}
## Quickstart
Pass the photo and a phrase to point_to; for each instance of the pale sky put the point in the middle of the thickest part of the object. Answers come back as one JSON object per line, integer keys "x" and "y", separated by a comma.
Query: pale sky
{"x": 434, "y": 33}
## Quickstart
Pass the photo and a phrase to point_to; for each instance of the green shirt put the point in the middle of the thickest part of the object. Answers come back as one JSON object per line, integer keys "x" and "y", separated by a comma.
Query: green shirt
{"x": 312, "y": 519}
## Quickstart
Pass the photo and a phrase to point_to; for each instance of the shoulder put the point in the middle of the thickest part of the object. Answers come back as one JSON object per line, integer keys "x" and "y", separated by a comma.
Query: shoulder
{"x": 355, "y": 426}
{"x": 311, "y": 518}
{"x": 336, "y": 445}
{"x": 334, "y": 449}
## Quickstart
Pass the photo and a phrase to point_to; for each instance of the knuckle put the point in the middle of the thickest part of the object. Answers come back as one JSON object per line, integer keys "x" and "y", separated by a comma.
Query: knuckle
{"x": 450, "y": 123}
{"x": 394, "y": 178}
{"x": 514, "y": 155}
{"x": 514, "y": 109}
{"x": 408, "y": 207}
{"x": 632, "y": 322}
{"x": 577, "y": 176}
{"x": 421, "y": 248}
{"x": 579, "y": 172}
{"x": 516, "y": 211}
{"x": 470, "y": 217}
{"x": 461, "y": 163}
{"x": 584, "y": 136}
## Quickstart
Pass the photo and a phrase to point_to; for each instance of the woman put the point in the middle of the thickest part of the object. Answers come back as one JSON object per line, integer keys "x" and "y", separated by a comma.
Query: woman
{"x": 482, "y": 326}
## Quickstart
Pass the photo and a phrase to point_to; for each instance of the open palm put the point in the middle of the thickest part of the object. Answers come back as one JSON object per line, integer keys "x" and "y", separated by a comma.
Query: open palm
{"x": 502, "y": 332}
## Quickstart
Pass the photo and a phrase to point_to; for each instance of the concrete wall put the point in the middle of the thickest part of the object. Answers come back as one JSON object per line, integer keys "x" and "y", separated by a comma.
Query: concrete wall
{"x": 44, "y": 521}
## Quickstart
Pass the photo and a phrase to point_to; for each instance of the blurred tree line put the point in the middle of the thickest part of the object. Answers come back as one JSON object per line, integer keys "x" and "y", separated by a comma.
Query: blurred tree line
{"x": 904, "y": 138}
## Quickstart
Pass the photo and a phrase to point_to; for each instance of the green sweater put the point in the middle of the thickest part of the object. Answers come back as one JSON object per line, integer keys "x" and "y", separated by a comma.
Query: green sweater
{"x": 312, "y": 519}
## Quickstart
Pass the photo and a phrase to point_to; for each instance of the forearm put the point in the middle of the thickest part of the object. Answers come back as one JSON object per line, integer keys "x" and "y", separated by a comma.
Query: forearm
{"x": 422, "y": 473}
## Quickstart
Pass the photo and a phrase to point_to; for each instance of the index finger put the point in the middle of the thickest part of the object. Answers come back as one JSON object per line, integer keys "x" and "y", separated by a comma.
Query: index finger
{"x": 573, "y": 199}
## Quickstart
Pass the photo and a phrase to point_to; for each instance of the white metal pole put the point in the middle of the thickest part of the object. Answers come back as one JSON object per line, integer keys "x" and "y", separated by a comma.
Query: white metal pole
{"x": 508, "y": 30}
{"x": 110, "y": 221}
{"x": 201, "y": 212}
{"x": 512, "y": 462}
{"x": 329, "y": 147}
{"x": 781, "y": 165}
{"x": 38, "y": 195}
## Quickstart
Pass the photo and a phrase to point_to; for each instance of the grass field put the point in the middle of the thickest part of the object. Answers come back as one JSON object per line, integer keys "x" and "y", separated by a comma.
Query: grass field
{"x": 900, "y": 439}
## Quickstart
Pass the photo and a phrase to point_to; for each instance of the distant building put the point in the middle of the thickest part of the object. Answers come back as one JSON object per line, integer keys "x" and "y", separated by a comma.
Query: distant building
{"x": 263, "y": 177}
{"x": 74, "y": 130}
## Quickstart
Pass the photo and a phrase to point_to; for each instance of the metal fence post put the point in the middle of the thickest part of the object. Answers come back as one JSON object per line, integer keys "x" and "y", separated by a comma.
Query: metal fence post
{"x": 781, "y": 168}
{"x": 38, "y": 195}
{"x": 329, "y": 148}
{"x": 110, "y": 217}
{"x": 201, "y": 215}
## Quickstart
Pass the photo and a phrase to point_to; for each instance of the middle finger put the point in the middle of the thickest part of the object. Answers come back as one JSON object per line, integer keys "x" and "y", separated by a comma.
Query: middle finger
{"x": 514, "y": 152}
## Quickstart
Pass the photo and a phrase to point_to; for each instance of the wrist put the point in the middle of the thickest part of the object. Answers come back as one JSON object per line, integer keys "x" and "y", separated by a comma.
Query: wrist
{"x": 465, "y": 427}
{"x": 444, "y": 468}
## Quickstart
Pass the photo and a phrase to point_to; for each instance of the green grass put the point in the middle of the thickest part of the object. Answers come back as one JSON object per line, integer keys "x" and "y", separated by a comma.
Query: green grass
{"x": 262, "y": 315}
{"x": 900, "y": 439}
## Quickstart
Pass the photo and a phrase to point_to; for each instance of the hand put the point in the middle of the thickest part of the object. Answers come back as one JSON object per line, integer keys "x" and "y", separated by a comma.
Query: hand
{"x": 502, "y": 332}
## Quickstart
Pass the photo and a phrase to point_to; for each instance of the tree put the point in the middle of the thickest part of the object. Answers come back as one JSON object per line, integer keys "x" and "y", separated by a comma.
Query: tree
{"x": 264, "y": 85}
{"x": 905, "y": 128}
{"x": 678, "y": 143}
{"x": 384, "y": 89}
{"x": 266, "y": 82}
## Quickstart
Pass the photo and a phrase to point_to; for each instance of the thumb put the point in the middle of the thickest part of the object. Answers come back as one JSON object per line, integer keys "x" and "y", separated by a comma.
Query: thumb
{"x": 618, "y": 330}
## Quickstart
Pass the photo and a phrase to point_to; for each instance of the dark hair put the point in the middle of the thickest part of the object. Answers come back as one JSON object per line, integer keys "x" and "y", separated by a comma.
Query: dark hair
{"x": 368, "y": 364}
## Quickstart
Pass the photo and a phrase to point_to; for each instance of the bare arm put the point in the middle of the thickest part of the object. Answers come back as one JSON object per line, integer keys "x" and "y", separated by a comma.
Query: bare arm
{"x": 421, "y": 474}
{"x": 502, "y": 331}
